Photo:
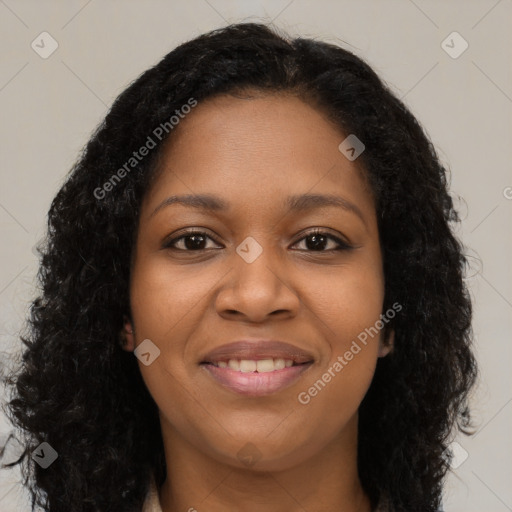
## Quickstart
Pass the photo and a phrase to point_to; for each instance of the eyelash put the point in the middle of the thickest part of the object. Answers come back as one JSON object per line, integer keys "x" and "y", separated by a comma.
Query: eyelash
{"x": 342, "y": 246}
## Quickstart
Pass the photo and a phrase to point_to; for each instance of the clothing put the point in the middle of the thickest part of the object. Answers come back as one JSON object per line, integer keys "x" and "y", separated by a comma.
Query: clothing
{"x": 152, "y": 502}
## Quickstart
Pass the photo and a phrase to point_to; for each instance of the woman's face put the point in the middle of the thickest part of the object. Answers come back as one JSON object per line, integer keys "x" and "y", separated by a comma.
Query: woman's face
{"x": 258, "y": 275}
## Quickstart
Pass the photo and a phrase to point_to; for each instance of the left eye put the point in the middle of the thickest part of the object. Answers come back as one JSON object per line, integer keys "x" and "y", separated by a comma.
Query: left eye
{"x": 194, "y": 241}
{"x": 320, "y": 239}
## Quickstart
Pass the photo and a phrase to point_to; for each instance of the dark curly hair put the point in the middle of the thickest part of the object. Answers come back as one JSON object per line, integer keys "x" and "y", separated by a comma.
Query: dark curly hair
{"x": 78, "y": 390}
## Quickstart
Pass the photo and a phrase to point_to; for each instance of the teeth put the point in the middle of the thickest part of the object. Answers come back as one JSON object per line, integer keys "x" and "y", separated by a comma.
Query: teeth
{"x": 279, "y": 364}
{"x": 234, "y": 364}
{"x": 261, "y": 366}
{"x": 265, "y": 365}
{"x": 247, "y": 366}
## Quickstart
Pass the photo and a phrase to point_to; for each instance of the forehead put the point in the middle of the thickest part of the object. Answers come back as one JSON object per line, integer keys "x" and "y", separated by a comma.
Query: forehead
{"x": 255, "y": 150}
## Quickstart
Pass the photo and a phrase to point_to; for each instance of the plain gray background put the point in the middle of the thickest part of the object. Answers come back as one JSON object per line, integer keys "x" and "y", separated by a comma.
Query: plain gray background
{"x": 50, "y": 107}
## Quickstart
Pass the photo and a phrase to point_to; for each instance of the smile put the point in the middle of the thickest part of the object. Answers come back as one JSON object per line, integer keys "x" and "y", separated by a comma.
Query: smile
{"x": 260, "y": 366}
{"x": 256, "y": 378}
{"x": 256, "y": 367}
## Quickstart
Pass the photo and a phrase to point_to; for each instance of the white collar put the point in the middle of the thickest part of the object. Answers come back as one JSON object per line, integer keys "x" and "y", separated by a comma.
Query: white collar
{"x": 152, "y": 501}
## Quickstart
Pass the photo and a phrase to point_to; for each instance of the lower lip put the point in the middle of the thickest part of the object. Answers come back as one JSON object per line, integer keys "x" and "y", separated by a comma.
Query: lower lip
{"x": 254, "y": 383}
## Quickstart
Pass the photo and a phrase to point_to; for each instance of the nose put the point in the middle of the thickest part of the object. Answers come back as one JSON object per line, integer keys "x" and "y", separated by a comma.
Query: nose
{"x": 254, "y": 291}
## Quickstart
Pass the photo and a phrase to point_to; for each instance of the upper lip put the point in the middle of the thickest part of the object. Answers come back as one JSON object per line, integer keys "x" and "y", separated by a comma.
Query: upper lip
{"x": 256, "y": 350}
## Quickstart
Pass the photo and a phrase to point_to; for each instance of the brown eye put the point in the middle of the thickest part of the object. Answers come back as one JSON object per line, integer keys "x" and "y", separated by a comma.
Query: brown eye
{"x": 317, "y": 241}
{"x": 191, "y": 241}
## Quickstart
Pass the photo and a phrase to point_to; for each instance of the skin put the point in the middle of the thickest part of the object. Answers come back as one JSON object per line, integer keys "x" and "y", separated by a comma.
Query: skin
{"x": 253, "y": 153}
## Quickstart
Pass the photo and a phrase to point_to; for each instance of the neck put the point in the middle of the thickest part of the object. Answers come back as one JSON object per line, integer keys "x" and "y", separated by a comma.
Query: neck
{"x": 326, "y": 481}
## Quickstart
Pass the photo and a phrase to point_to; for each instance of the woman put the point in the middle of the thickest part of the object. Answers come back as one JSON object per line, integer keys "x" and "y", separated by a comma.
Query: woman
{"x": 266, "y": 227}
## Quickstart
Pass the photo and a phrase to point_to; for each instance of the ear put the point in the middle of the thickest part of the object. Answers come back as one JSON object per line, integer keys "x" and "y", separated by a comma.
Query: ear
{"x": 126, "y": 335}
{"x": 386, "y": 343}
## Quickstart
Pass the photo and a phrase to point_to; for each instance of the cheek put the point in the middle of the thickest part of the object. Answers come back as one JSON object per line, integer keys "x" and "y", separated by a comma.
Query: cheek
{"x": 349, "y": 306}
{"x": 335, "y": 391}
{"x": 164, "y": 306}
{"x": 162, "y": 298}
{"x": 348, "y": 300}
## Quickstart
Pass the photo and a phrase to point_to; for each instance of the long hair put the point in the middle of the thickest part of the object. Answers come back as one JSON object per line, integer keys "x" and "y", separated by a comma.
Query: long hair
{"x": 78, "y": 390}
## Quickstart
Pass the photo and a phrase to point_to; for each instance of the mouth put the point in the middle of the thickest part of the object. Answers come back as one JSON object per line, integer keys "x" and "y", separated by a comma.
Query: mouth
{"x": 256, "y": 368}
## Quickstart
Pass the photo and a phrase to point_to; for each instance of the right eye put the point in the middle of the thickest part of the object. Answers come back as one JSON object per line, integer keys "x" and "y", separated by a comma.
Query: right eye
{"x": 190, "y": 241}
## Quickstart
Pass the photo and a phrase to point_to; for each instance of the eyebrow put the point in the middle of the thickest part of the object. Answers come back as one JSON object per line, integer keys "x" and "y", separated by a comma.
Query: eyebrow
{"x": 295, "y": 203}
